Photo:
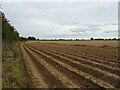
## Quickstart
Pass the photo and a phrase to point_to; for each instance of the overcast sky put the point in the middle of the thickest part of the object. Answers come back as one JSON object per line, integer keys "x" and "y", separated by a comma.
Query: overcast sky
{"x": 64, "y": 19}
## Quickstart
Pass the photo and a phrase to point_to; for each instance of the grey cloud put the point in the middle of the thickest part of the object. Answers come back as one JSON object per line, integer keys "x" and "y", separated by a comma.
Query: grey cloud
{"x": 85, "y": 17}
{"x": 111, "y": 32}
{"x": 104, "y": 24}
{"x": 104, "y": 29}
{"x": 84, "y": 29}
{"x": 110, "y": 24}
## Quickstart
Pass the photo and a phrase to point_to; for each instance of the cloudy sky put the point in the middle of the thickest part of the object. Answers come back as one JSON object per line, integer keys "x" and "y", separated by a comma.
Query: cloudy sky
{"x": 64, "y": 19}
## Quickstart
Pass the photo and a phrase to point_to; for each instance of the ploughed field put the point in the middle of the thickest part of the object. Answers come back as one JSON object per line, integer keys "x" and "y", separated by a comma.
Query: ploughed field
{"x": 59, "y": 65}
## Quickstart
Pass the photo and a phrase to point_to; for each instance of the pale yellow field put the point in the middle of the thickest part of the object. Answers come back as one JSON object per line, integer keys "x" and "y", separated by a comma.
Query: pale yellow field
{"x": 89, "y": 43}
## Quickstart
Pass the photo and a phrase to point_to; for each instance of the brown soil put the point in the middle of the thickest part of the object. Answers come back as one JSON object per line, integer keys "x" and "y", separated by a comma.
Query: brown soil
{"x": 69, "y": 66}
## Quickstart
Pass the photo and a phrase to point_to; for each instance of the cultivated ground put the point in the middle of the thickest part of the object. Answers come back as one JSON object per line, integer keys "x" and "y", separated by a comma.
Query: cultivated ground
{"x": 61, "y": 65}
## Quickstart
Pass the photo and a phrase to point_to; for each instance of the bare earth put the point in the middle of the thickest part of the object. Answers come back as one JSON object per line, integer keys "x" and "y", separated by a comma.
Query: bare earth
{"x": 56, "y": 65}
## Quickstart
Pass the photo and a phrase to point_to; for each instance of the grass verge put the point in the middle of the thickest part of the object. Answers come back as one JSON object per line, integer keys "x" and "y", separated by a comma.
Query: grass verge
{"x": 13, "y": 70}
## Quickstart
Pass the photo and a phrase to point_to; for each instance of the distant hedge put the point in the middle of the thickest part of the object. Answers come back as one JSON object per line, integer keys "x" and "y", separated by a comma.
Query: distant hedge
{"x": 9, "y": 34}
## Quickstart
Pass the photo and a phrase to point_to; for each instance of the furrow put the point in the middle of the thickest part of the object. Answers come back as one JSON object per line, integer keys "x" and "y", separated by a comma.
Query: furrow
{"x": 104, "y": 67}
{"x": 98, "y": 57}
{"x": 105, "y": 63}
{"x": 65, "y": 81}
{"x": 104, "y": 75}
{"x": 72, "y": 69}
{"x": 112, "y": 64}
{"x": 78, "y": 80}
{"x": 103, "y": 58}
{"x": 36, "y": 78}
{"x": 114, "y": 70}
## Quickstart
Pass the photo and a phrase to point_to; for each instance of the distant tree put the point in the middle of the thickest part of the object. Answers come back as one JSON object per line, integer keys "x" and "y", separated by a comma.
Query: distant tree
{"x": 38, "y": 39}
{"x": 61, "y": 39}
{"x": 23, "y": 39}
{"x": 114, "y": 39}
{"x": 77, "y": 39}
{"x": 70, "y": 39}
{"x": 91, "y": 38}
{"x": 31, "y": 38}
{"x": 99, "y": 39}
{"x": 109, "y": 39}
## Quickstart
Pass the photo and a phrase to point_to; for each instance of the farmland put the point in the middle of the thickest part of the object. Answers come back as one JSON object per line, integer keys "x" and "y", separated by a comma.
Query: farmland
{"x": 59, "y": 45}
{"x": 83, "y": 64}
{"x": 98, "y": 43}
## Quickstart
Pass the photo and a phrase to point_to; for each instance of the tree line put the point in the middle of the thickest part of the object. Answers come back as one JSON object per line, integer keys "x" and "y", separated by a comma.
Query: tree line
{"x": 33, "y": 38}
{"x": 104, "y": 39}
{"x": 9, "y": 33}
